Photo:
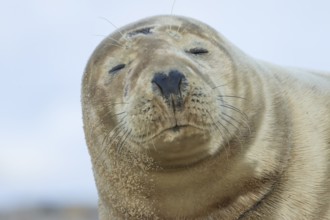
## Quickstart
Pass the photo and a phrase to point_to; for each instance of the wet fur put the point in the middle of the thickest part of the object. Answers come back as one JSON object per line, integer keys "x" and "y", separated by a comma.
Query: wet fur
{"x": 255, "y": 142}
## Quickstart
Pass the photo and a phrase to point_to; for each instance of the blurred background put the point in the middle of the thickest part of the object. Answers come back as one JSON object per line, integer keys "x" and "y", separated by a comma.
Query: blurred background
{"x": 45, "y": 170}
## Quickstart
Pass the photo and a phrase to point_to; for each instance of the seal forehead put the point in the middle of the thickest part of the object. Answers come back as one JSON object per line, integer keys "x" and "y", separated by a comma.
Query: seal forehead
{"x": 149, "y": 25}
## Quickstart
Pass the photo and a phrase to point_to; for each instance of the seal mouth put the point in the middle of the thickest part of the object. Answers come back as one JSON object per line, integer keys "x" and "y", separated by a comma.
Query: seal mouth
{"x": 175, "y": 128}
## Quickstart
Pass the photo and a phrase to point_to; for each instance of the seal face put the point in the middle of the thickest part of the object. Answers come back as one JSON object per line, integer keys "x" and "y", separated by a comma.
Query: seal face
{"x": 182, "y": 124}
{"x": 159, "y": 90}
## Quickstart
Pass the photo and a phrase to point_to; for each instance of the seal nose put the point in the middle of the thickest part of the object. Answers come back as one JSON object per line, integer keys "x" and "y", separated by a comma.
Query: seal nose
{"x": 169, "y": 84}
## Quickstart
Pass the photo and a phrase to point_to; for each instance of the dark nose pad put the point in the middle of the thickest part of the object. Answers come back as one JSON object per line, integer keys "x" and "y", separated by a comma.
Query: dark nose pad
{"x": 169, "y": 84}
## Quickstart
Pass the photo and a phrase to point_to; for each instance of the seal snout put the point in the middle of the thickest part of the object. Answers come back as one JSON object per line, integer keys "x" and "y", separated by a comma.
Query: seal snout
{"x": 170, "y": 87}
{"x": 169, "y": 84}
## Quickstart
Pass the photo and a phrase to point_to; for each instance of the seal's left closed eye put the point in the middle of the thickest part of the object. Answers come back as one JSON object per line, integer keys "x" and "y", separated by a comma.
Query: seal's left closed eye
{"x": 197, "y": 51}
{"x": 117, "y": 68}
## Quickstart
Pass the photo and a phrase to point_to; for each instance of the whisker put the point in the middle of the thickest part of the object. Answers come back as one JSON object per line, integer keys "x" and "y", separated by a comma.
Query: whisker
{"x": 234, "y": 126}
{"x": 117, "y": 29}
{"x": 152, "y": 139}
{"x": 123, "y": 140}
{"x": 219, "y": 86}
{"x": 173, "y": 4}
{"x": 147, "y": 131}
{"x": 105, "y": 115}
{"x": 116, "y": 45}
{"x": 172, "y": 13}
{"x": 113, "y": 115}
{"x": 120, "y": 103}
{"x": 228, "y": 106}
{"x": 225, "y": 137}
{"x": 243, "y": 123}
{"x": 223, "y": 84}
{"x": 231, "y": 96}
{"x": 103, "y": 147}
{"x": 117, "y": 41}
{"x": 113, "y": 134}
{"x": 110, "y": 104}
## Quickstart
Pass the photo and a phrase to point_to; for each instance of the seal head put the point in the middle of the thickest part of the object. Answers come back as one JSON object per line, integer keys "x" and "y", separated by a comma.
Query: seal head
{"x": 156, "y": 88}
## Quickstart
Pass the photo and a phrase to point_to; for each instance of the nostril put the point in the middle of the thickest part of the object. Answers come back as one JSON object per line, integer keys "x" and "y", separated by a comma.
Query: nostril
{"x": 168, "y": 84}
{"x": 158, "y": 80}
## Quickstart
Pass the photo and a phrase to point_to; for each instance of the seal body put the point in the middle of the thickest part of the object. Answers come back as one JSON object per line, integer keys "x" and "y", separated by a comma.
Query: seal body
{"x": 181, "y": 124}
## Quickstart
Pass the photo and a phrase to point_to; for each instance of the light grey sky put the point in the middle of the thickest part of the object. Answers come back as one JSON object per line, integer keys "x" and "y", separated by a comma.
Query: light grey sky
{"x": 44, "y": 46}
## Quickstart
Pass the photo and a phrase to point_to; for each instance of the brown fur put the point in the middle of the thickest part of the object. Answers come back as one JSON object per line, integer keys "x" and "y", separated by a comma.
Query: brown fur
{"x": 253, "y": 139}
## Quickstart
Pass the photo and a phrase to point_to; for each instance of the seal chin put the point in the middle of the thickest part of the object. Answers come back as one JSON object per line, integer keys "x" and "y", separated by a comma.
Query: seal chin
{"x": 178, "y": 146}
